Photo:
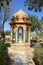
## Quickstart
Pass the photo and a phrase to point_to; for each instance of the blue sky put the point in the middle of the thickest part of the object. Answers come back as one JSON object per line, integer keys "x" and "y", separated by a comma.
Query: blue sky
{"x": 15, "y": 5}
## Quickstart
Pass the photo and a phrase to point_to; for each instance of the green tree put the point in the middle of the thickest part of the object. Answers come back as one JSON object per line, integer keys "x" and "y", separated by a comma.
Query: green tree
{"x": 41, "y": 32}
{"x": 4, "y": 58}
{"x": 35, "y": 23}
{"x": 4, "y": 6}
{"x": 35, "y": 5}
{"x": 41, "y": 23}
{"x": 7, "y": 32}
{"x": 3, "y": 3}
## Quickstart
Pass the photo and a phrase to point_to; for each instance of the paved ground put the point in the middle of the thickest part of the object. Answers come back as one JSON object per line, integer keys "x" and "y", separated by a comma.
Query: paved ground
{"x": 19, "y": 58}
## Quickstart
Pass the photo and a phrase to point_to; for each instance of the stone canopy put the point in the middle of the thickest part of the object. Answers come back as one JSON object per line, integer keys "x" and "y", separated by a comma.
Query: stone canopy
{"x": 20, "y": 30}
{"x": 20, "y": 17}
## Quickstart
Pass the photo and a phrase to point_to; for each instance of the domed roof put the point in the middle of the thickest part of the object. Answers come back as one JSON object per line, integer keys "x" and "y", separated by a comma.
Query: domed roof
{"x": 20, "y": 13}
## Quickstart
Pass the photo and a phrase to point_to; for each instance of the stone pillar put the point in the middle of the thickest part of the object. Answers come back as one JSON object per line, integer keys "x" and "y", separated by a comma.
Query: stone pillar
{"x": 29, "y": 36}
{"x": 24, "y": 35}
{"x": 16, "y": 35}
{"x": 11, "y": 34}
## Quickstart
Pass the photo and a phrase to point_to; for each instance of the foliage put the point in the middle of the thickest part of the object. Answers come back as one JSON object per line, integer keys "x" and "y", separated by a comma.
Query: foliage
{"x": 35, "y": 5}
{"x": 40, "y": 35}
{"x": 3, "y": 3}
{"x": 4, "y": 59}
{"x": 36, "y": 26}
{"x": 4, "y": 6}
{"x": 41, "y": 23}
{"x": 32, "y": 44}
{"x": 7, "y": 32}
{"x": 38, "y": 56}
{"x": 4, "y": 13}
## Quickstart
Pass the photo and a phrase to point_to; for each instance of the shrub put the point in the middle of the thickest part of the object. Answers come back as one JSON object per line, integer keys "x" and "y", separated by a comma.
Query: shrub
{"x": 32, "y": 44}
{"x": 4, "y": 58}
{"x": 38, "y": 56}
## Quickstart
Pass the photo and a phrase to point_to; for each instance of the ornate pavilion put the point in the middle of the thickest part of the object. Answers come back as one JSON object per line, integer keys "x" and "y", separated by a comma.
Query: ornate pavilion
{"x": 20, "y": 31}
{"x": 20, "y": 49}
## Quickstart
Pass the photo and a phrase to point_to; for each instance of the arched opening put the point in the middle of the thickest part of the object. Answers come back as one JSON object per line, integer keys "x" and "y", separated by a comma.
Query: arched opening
{"x": 14, "y": 35}
{"x": 20, "y": 34}
{"x": 27, "y": 34}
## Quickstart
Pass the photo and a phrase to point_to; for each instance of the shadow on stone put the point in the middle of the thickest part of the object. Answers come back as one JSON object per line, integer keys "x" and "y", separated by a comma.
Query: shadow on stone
{"x": 18, "y": 63}
{"x": 7, "y": 44}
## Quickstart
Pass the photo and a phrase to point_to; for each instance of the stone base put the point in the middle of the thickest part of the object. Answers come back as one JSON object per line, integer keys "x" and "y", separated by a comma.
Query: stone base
{"x": 20, "y": 47}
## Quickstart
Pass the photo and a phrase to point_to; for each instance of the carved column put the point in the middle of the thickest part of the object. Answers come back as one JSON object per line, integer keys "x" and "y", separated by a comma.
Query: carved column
{"x": 16, "y": 35}
{"x": 24, "y": 34}
{"x": 29, "y": 36}
{"x": 11, "y": 34}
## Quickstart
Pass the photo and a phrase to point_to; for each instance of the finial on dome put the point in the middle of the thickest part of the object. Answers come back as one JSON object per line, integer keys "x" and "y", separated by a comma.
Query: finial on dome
{"x": 20, "y": 12}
